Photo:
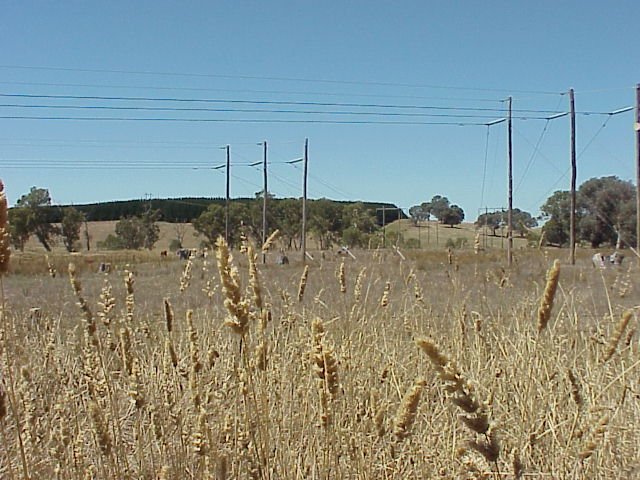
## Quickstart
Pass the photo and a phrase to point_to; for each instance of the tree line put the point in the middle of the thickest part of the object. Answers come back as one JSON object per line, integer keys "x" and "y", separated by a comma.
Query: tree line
{"x": 329, "y": 221}
{"x": 605, "y": 214}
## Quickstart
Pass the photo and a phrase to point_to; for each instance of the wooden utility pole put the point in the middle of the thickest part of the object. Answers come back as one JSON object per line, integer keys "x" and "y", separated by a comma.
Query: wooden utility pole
{"x": 228, "y": 200}
{"x": 510, "y": 211}
{"x": 572, "y": 213}
{"x": 304, "y": 201}
{"x": 264, "y": 200}
{"x": 637, "y": 129}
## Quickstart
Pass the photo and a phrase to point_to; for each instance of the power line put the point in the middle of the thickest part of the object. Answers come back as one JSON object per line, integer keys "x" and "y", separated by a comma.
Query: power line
{"x": 273, "y": 78}
{"x": 255, "y": 110}
{"x": 284, "y": 102}
{"x": 270, "y": 92}
{"x": 236, "y": 120}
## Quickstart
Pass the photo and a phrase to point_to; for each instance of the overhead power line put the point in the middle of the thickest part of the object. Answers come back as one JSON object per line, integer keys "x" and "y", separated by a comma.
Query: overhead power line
{"x": 235, "y": 90}
{"x": 236, "y": 120}
{"x": 275, "y": 78}
{"x": 500, "y": 111}
{"x": 256, "y": 110}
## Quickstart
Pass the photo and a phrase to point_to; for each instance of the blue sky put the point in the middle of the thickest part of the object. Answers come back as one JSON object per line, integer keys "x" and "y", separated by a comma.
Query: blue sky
{"x": 463, "y": 58}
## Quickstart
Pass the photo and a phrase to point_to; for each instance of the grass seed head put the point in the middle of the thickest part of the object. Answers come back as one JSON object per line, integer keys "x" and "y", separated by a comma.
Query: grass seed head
{"x": 546, "y": 303}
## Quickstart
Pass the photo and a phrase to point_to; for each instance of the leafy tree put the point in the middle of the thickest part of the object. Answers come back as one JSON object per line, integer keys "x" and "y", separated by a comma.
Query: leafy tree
{"x": 356, "y": 215}
{"x": 419, "y": 213}
{"x": 607, "y": 209}
{"x": 353, "y": 237}
{"x": 138, "y": 232}
{"x": 325, "y": 221}
{"x": 556, "y": 211}
{"x": 72, "y": 220}
{"x": 605, "y": 212}
{"x": 454, "y": 215}
{"x": 150, "y": 228}
{"x": 19, "y": 227}
{"x": 36, "y": 204}
{"x": 438, "y": 207}
{"x": 522, "y": 222}
{"x": 130, "y": 233}
{"x": 492, "y": 220}
{"x": 288, "y": 219}
{"x": 211, "y": 222}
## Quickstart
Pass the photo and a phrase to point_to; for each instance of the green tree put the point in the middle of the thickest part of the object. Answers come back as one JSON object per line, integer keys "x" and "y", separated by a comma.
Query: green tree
{"x": 605, "y": 213}
{"x": 211, "y": 222}
{"x": 19, "y": 227}
{"x": 492, "y": 220}
{"x": 288, "y": 219}
{"x": 150, "y": 228}
{"x": 438, "y": 207}
{"x": 356, "y": 215}
{"x": 454, "y": 215}
{"x": 522, "y": 222}
{"x": 419, "y": 213}
{"x": 325, "y": 221}
{"x": 72, "y": 220}
{"x": 130, "y": 233}
{"x": 606, "y": 209}
{"x": 556, "y": 213}
{"x": 37, "y": 205}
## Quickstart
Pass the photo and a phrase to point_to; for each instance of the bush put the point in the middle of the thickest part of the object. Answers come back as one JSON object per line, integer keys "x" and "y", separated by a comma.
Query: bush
{"x": 175, "y": 245}
{"x": 112, "y": 242}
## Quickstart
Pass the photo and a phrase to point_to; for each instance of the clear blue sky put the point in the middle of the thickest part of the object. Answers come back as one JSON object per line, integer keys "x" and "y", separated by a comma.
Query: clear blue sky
{"x": 464, "y": 58}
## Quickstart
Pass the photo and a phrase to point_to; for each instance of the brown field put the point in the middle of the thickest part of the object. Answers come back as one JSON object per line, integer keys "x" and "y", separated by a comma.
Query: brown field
{"x": 381, "y": 369}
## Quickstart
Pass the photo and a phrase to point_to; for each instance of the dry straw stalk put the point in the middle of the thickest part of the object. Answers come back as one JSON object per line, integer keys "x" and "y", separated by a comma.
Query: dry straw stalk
{"x": 546, "y": 303}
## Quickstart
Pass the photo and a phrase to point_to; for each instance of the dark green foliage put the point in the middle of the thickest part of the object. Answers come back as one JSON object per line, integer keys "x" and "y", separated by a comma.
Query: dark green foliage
{"x": 454, "y": 215}
{"x": 556, "y": 210}
{"x": 19, "y": 227}
{"x": 111, "y": 243}
{"x": 605, "y": 212}
{"x": 175, "y": 245}
{"x": 36, "y": 218}
{"x": 492, "y": 220}
{"x": 211, "y": 223}
{"x": 138, "y": 232}
{"x": 72, "y": 221}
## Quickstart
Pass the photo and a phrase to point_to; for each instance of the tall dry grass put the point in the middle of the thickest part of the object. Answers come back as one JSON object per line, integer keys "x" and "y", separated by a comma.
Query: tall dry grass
{"x": 139, "y": 375}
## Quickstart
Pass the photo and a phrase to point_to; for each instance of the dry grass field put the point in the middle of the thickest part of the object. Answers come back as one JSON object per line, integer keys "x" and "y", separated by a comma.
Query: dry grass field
{"x": 375, "y": 368}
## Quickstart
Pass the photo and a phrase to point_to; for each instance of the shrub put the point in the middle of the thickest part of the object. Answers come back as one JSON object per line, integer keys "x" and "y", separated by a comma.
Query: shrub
{"x": 112, "y": 242}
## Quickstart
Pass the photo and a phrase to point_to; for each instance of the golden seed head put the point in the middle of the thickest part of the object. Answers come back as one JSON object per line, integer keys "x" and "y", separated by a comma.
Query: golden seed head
{"x": 342, "y": 278}
{"x": 617, "y": 334}
{"x": 406, "y": 414}
{"x": 168, "y": 315}
{"x": 269, "y": 241}
{"x": 303, "y": 283}
{"x": 546, "y": 303}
